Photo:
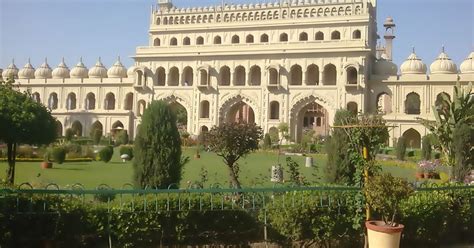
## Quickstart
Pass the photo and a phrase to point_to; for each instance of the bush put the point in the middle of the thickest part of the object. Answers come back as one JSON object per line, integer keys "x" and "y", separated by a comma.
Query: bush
{"x": 267, "y": 141}
{"x": 25, "y": 152}
{"x": 69, "y": 134}
{"x": 426, "y": 148}
{"x": 106, "y": 153}
{"x": 401, "y": 148}
{"x": 437, "y": 155}
{"x": 121, "y": 138}
{"x": 58, "y": 154}
{"x": 410, "y": 153}
{"x": 126, "y": 150}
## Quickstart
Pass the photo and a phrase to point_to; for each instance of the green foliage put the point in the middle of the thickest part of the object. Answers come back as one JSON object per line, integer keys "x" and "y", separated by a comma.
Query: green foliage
{"x": 106, "y": 153}
{"x": 449, "y": 114}
{"x": 124, "y": 149}
{"x": 267, "y": 141}
{"x": 410, "y": 153}
{"x": 69, "y": 134}
{"x": 121, "y": 138}
{"x": 22, "y": 121}
{"x": 384, "y": 194}
{"x": 426, "y": 148}
{"x": 308, "y": 138}
{"x": 401, "y": 148}
{"x": 293, "y": 169}
{"x": 339, "y": 168}
{"x": 463, "y": 151}
{"x": 433, "y": 218}
{"x": 231, "y": 141}
{"x": 274, "y": 135}
{"x": 58, "y": 154}
{"x": 158, "y": 161}
{"x": 284, "y": 129}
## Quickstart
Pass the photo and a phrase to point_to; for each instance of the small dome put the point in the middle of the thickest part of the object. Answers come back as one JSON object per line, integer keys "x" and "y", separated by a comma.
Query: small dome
{"x": 467, "y": 65}
{"x": 413, "y": 65}
{"x": 11, "y": 71}
{"x": 443, "y": 65}
{"x": 131, "y": 71}
{"x": 62, "y": 71}
{"x": 80, "y": 70}
{"x": 98, "y": 71}
{"x": 117, "y": 70}
{"x": 385, "y": 67}
{"x": 44, "y": 71}
{"x": 27, "y": 72}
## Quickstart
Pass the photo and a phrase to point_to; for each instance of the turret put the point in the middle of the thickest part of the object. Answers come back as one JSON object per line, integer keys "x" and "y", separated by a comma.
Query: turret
{"x": 389, "y": 26}
{"x": 165, "y": 4}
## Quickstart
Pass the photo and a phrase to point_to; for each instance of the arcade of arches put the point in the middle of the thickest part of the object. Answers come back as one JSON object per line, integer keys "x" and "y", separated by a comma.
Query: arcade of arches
{"x": 312, "y": 116}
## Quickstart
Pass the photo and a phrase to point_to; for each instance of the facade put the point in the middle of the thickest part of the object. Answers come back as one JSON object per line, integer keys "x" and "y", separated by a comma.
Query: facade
{"x": 295, "y": 62}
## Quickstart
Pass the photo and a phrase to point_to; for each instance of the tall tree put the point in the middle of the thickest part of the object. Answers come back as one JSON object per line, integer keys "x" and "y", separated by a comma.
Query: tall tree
{"x": 158, "y": 161}
{"x": 22, "y": 121}
{"x": 231, "y": 141}
{"x": 450, "y": 114}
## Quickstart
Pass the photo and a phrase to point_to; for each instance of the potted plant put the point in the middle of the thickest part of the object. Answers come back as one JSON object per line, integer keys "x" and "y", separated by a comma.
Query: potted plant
{"x": 46, "y": 164}
{"x": 384, "y": 194}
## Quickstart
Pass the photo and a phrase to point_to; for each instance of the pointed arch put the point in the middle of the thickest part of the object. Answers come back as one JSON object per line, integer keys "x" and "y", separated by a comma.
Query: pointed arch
{"x": 329, "y": 75}
{"x": 255, "y": 75}
{"x": 128, "y": 103}
{"x": 335, "y": 35}
{"x": 412, "y": 104}
{"x": 90, "y": 101}
{"x": 188, "y": 76}
{"x": 109, "y": 103}
{"x": 296, "y": 74}
{"x": 312, "y": 75}
{"x": 412, "y": 138}
{"x": 71, "y": 101}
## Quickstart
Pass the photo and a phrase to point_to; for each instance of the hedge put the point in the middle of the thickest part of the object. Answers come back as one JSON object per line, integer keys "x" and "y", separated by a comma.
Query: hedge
{"x": 69, "y": 160}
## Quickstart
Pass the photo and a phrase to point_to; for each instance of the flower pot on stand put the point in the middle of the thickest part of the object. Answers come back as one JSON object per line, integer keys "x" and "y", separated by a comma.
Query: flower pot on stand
{"x": 46, "y": 165}
{"x": 381, "y": 235}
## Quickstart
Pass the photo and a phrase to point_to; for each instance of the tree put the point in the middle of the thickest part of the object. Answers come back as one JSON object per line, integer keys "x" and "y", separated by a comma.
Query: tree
{"x": 401, "y": 149}
{"x": 231, "y": 141}
{"x": 284, "y": 130}
{"x": 22, "y": 121}
{"x": 158, "y": 161}
{"x": 426, "y": 147}
{"x": 122, "y": 137}
{"x": 267, "y": 141}
{"x": 449, "y": 113}
{"x": 463, "y": 151}
{"x": 106, "y": 154}
{"x": 339, "y": 168}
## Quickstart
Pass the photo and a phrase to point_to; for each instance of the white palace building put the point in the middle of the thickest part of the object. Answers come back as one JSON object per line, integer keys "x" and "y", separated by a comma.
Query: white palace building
{"x": 293, "y": 61}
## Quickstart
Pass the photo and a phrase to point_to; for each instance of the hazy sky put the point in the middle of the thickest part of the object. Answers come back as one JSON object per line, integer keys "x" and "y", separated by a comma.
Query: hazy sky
{"x": 107, "y": 28}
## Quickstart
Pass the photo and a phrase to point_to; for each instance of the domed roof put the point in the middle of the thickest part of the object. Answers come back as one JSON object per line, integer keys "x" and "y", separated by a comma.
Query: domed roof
{"x": 385, "y": 67}
{"x": 117, "y": 70}
{"x": 131, "y": 71}
{"x": 80, "y": 70}
{"x": 11, "y": 71}
{"x": 98, "y": 71}
{"x": 413, "y": 65}
{"x": 62, "y": 71}
{"x": 44, "y": 71}
{"x": 27, "y": 72}
{"x": 443, "y": 65}
{"x": 467, "y": 65}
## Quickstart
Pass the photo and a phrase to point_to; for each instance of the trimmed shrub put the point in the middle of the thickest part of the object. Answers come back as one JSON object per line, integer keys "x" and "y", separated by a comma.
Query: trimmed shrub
{"x": 410, "y": 153}
{"x": 58, "y": 154}
{"x": 126, "y": 150}
{"x": 267, "y": 141}
{"x": 426, "y": 148}
{"x": 69, "y": 134}
{"x": 401, "y": 148}
{"x": 106, "y": 154}
{"x": 122, "y": 138}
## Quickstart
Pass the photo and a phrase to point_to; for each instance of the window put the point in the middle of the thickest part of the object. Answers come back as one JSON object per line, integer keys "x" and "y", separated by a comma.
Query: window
{"x": 296, "y": 74}
{"x": 36, "y": 97}
{"x": 217, "y": 40}
{"x": 273, "y": 76}
{"x": 109, "y": 101}
{"x": 173, "y": 42}
{"x": 141, "y": 106}
{"x": 329, "y": 75}
{"x": 173, "y": 77}
{"x": 90, "y": 101}
{"x": 356, "y": 34}
{"x": 128, "y": 104}
{"x": 319, "y": 36}
{"x": 352, "y": 107}
{"x": 199, "y": 41}
{"x": 188, "y": 76}
{"x": 264, "y": 38}
{"x": 384, "y": 103}
{"x": 235, "y": 39}
{"x": 303, "y": 36}
{"x": 204, "y": 113}
{"x": 283, "y": 37}
{"x": 225, "y": 76}
{"x": 161, "y": 76}
{"x": 186, "y": 41}
{"x": 157, "y": 42}
{"x": 412, "y": 104}
{"x": 255, "y": 75}
{"x": 239, "y": 75}
{"x": 71, "y": 101}
{"x": 335, "y": 35}
{"x": 312, "y": 75}
{"x": 249, "y": 38}
{"x": 274, "y": 110}
{"x": 351, "y": 75}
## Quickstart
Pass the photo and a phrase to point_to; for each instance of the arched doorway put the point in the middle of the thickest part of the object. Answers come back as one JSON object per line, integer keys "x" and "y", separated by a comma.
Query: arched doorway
{"x": 97, "y": 126}
{"x": 77, "y": 128}
{"x": 311, "y": 116}
{"x": 181, "y": 115}
{"x": 59, "y": 129}
{"x": 413, "y": 138}
{"x": 240, "y": 113}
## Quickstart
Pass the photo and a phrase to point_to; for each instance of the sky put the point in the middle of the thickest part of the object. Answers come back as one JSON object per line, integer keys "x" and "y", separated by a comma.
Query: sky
{"x": 108, "y": 28}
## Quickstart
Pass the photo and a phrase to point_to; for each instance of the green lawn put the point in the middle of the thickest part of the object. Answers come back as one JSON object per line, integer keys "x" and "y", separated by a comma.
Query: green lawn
{"x": 254, "y": 171}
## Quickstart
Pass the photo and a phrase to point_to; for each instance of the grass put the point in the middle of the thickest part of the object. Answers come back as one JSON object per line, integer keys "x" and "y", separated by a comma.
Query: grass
{"x": 254, "y": 171}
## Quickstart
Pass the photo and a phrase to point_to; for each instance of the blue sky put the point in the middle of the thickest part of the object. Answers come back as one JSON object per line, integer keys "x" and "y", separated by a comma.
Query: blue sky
{"x": 107, "y": 28}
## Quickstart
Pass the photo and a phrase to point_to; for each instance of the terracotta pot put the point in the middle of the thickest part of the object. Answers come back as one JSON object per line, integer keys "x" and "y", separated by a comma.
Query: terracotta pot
{"x": 419, "y": 175}
{"x": 382, "y": 236}
{"x": 46, "y": 165}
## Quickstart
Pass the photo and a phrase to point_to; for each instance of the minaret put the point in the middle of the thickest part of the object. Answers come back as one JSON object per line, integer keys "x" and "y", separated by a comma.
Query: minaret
{"x": 389, "y": 26}
{"x": 165, "y": 4}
